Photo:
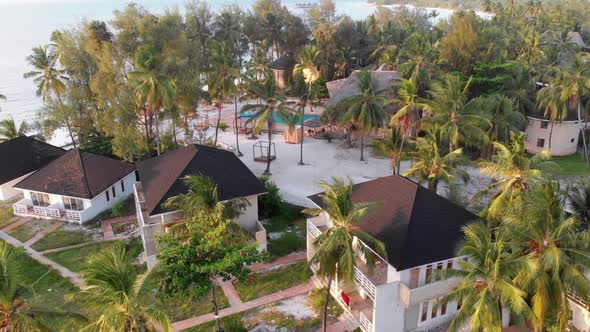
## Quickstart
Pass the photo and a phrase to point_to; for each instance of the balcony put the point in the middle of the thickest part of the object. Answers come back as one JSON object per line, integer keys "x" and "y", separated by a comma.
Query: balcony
{"x": 360, "y": 308}
{"x": 25, "y": 208}
{"x": 584, "y": 303}
{"x": 409, "y": 297}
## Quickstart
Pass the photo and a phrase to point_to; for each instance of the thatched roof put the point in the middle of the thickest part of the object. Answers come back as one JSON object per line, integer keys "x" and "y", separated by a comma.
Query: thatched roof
{"x": 284, "y": 62}
{"x": 572, "y": 37}
{"x": 383, "y": 82}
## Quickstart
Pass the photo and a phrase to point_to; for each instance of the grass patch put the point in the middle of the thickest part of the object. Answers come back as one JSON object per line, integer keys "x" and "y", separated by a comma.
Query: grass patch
{"x": 27, "y": 230}
{"x": 572, "y": 165}
{"x": 231, "y": 323}
{"x": 61, "y": 238}
{"x": 260, "y": 284}
{"x": 74, "y": 259}
{"x": 289, "y": 215}
{"x": 286, "y": 244}
{"x": 6, "y": 216}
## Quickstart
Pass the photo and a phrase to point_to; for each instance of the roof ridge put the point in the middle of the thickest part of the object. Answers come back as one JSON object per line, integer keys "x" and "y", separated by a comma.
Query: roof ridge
{"x": 84, "y": 178}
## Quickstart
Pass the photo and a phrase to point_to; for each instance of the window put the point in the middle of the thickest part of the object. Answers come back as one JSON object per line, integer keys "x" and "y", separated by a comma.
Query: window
{"x": 449, "y": 264}
{"x": 122, "y": 186}
{"x": 443, "y": 309}
{"x": 571, "y": 140}
{"x": 544, "y": 124}
{"x": 114, "y": 192}
{"x": 424, "y": 311}
{"x": 434, "y": 308}
{"x": 541, "y": 143}
{"x": 108, "y": 197}
{"x": 428, "y": 278}
{"x": 439, "y": 268}
{"x": 414, "y": 277}
{"x": 73, "y": 204}
{"x": 136, "y": 176}
{"x": 40, "y": 199}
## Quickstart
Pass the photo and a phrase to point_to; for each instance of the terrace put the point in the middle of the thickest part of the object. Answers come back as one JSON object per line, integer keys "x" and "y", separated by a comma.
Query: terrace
{"x": 26, "y": 208}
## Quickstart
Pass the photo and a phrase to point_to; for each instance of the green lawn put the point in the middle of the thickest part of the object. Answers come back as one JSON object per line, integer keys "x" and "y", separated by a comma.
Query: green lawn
{"x": 180, "y": 307}
{"x": 260, "y": 284}
{"x": 30, "y": 228}
{"x": 291, "y": 215}
{"x": 6, "y": 216}
{"x": 74, "y": 259}
{"x": 62, "y": 238}
{"x": 286, "y": 244}
{"x": 572, "y": 165}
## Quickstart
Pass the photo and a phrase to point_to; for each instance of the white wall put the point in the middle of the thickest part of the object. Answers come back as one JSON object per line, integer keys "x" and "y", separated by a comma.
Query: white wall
{"x": 388, "y": 312}
{"x": 7, "y": 192}
{"x": 580, "y": 317}
{"x": 564, "y": 139}
{"x": 249, "y": 216}
{"x": 100, "y": 204}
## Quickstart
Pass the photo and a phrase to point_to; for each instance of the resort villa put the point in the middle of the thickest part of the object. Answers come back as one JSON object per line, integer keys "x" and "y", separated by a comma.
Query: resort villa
{"x": 420, "y": 231}
{"x": 564, "y": 134}
{"x": 75, "y": 187}
{"x": 22, "y": 156}
{"x": 162, "y": 177}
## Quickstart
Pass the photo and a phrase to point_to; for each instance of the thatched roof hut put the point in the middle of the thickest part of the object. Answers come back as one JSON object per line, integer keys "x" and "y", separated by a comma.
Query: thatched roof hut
{"x": 384, "y": 83}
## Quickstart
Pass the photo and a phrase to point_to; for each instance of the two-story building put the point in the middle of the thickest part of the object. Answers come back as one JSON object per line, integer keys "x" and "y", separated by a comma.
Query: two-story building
{"x": 420, "y": 231}
{"x": 162, "y": 178}
{"x": 75, "y": 187}
{"x": 560, "y": 138}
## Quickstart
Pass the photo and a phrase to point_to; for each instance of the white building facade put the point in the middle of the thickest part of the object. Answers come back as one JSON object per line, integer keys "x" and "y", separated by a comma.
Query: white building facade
{"x": 563, "y": 135}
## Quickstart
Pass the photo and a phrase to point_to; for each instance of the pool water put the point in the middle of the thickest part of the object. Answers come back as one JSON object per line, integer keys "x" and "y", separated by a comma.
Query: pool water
{"x": 277, "y": 119}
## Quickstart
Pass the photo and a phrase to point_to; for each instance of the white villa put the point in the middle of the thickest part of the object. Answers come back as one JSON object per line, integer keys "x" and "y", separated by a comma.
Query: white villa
{"x": 75, "y": 187}
{"x": 420, "y": 231}
{"x": 22, "y": 156}
{"x": 162, "y": 177}
{"x": 564, "y": 135}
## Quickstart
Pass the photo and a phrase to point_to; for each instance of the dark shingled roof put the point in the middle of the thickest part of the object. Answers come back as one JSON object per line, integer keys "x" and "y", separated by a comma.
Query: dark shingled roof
{"x": 161, "y": 177}
{"x": 284, "y": 62}
{"x": 77, "y": 174}
{"x": 416, "y": 225}
{"x": 23, "y": 155}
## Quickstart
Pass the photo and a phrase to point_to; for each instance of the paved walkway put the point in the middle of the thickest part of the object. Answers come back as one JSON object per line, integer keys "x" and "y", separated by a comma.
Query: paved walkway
{"x": 291, "y": 258}
{"x": 278, "y": 296}
{"x": 44, "y": 232}
{"x": 17, "y": 223}
{"x": 107, "y": 226}
{"x": 229, "y": 291}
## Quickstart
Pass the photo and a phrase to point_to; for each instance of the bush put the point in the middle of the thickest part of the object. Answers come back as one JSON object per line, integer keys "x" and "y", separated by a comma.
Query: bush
{"x": 316, "y": 301}
{"x": 223, "y": 126}
{"x": 286, "y": 244}
{"x": 119, "y": 210}
{"x": 270, "y": 204}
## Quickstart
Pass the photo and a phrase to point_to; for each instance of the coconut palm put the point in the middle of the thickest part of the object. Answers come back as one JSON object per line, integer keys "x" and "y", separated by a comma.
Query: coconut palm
{"x": 578, "y": 196}
{"x": 456, "y": 114}
{"x": 307, "y": 67}
{"x": 201, "y": 199}
{"x": 365, "y": 111}
{"x": 390, "y": 147}
{"x": 46, "y": 76}
{"x": 432, "y": 165}
{"x": 154, "y": 90}
{"x": 273, "y": 104}
{"x": 336, "y": 253}
{"x": 113, "y": 291}
{"x": 551, "y": 237}
{"x": 221, "y": 83}
{"x": 504, "y": 119}
{"x": 9, "y": 130}
{"x": 17, "y": 311}
{"x": 515, "y": 172}
{"x": 549, "y": 100}
{"x": 487, "y": 292}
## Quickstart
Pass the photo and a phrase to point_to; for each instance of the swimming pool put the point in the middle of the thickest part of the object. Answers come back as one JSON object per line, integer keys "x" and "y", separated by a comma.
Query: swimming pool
{"x": 277, "y": 119}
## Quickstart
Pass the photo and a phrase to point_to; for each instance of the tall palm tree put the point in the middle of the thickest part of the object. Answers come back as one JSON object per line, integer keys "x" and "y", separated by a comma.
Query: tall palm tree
{"x": 336, "y": 253}
{"x": 308, "y": 67}
{"x": 432, "y": 165}
{"x": 9, "y": 130}
{"x": 274, "y": 103}
{"x": 504, "y": 119}
{"x": 390, "y": 147}
{"x": 543, "y": 230}
{"x": 455, "y": 113}
{"x": 113, "y": 291}
{"x": 515, "y": 172}
{"x": 48, "y": 78}
{"x": 365, "y": 110}
{"x": 17, "y": 311}
{"x": 154, "y": 90}
{"x": 578, "y": 196}
{"x": 549, "y": 100}
{"x": 221, "y": 83}
{"x": 487, "y": 291}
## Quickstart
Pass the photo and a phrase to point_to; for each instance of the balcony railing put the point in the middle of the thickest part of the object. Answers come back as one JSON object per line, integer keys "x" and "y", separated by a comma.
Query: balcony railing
{"x": 579, "y": 300}
{"x": 365, "y": 323}
{"x": 25, "y": 207}
{"x": 361, "y": 279}
{"x": 409, "y": 297}
{"x": 73, "y": 215}
{"x": 312, "y": 229}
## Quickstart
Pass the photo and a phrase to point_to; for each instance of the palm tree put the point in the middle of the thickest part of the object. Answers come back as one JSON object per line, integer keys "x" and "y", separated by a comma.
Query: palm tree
{"x": 113, "y": 290}
{"x": 365, "y": 110}
{"x": 515, "y": 172}
{"x": 9, "y": 130}
{"x": 222, "y": 78}
{"x": 390, "y": 147}
{"x": 154, "y": 90}
{"x": 46, "y": 76}
{"x": 504, "y": 119}
{"x": 307, "y": 67}
{"x": 579, "y": 200}
{"x": 549, "y": 99}
{"x": 432, "y": 165}
{"x": 487, "y": 291}
{"x": 273, "y": 104}
{"x": 455, "y": 113}
{"x": 17, "y": 312}
{"x": 544, "y": 231}
{"x": 336, "y": 253}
